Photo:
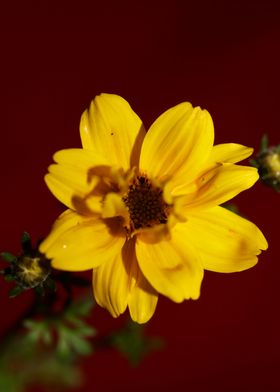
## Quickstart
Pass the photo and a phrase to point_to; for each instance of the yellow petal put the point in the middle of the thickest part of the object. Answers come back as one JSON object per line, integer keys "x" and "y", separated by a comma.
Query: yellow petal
{"x": 177, "y": 144}
{"x": 111, "y": 129}
{"x": 143, "y": 298}
{"x": 65, "y": 221}
{"x": 219, "y": 185}
{"x": 230, "y": 153}
{"x": 79, "y": 158}
{"x": 77, "y": 243}
{"x": 171, "y": 267}
{"x": 114, "y": 206}
{"x": 225, "y": 241}
{"x": 111, "y": 283}
{"x": 119, "y": 282}
{"x": 70, "y": 179}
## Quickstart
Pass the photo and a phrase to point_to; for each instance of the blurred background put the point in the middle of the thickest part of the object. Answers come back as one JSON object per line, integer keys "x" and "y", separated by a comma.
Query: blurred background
{"x": 220, "y": 55}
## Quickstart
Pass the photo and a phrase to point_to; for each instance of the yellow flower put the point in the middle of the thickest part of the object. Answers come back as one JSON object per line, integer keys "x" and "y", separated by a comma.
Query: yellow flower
{"x": 144, "y": 207}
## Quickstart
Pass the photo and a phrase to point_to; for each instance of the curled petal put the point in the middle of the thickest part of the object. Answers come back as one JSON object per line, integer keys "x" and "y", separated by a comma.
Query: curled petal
{"x": 119, "y": 282}
{"x": 70, "y": 178}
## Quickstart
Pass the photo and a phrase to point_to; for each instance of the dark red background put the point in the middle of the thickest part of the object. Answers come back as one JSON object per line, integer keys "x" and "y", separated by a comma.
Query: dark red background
{"x": 221, "y": 55}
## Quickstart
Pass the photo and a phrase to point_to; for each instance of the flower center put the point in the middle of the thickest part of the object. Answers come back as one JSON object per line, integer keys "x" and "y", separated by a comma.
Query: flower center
{"x": 145, "y": 204}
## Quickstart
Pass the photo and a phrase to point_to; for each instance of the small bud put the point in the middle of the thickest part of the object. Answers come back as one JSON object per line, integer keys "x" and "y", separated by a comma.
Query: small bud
{"x": 268, "y": 164}
{"x": 31, "y": 271}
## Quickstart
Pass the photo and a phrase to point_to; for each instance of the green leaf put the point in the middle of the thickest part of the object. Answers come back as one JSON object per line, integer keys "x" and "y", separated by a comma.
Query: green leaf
{"x": 86, "y": 331}
{"x": 15, "y": 291}
{"x": 81, "y": 346}
{"x": 83, "y": 307}
{"x": 38, "y": 330}
{"x": 10, "y": 383}
{"x": 9, "y": 257}
{"x": 69, "y": 342}
{"x": 26, "y": 242}
{"x": 254, "y": 163}
{"x": 50, "y": 284}
{"x": 133, "y": 344}
{"x": 264, "y": 143}
{"x": 9, "y": 277}
{"x": 39, "y": 290}
{"x": 231, "y": 207}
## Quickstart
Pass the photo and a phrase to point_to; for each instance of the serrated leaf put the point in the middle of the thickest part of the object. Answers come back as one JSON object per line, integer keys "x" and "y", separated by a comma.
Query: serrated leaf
{"x": 82, "y": 308}
{"x": 9, "y": 257}
{"x": 47, "y": 337}
{"x": 38, "y": 330}
{"x": 86, "y": 331}
{"x": 63, "y": 348}
{"x": 15, "y": 291}
{"x": 26, "y": 242}
{"x": 74, "y": 343}
{"x": 133, "y": 344}
{"x": 81, "y": 346}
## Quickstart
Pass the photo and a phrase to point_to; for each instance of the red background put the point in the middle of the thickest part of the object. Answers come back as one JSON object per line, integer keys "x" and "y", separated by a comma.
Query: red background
{"x": 221, "y": 55}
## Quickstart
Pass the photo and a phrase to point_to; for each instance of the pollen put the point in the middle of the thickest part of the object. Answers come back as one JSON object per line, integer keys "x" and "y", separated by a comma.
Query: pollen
{"x": 145, "y": 204}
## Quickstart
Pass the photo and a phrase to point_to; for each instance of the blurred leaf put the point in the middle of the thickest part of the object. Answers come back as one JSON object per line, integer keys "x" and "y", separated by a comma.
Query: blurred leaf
{"x": 82, "y": 307}
{"x": 9, "y": 383}
{"x": 15, "y": 291}
{"x": 39, "y": 290}
{"x": 231, "y": 207}
{"x": 70, "y": 342}
{"x": 38, "y": 330}
{"x": 50, "y": 284}
{"x": 264, "y": 143}
{"x": 133, "y": 344}
{"x": 26, "y": 243}
{"x": 254, "y": 163}
{"x": 86, "y": 331}
{"x": 9, "y": 257}
{"x": 9, "y": 277}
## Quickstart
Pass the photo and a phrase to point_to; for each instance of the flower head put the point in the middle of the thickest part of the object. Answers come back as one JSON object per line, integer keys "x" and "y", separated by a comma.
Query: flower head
{"x": 143, "y": 208}
{"x": 267, "y": 162}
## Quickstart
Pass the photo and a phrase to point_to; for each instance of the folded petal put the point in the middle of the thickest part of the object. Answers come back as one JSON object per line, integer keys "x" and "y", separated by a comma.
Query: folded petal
{"x": 229, "y": 152}
{"x": 113, "y": 205}
{"x": 226, "y": 242}
{"x": 177, "y": 144}
{"x": 70, "y": 178}
{"x": 119, "y": 282}
{"x": 77, "y": 243}
{"x": 218, "y": 185}
{"x": 110, "y": 128}
{"x": 171, "y": 267}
